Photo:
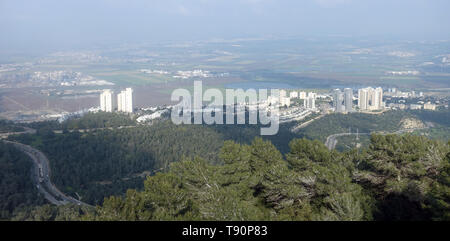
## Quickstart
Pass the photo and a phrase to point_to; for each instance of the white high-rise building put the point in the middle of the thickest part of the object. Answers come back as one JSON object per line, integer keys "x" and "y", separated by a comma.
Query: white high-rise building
{"x": 106, "y": 101}
{"x": 343, "y": 101}
{"x": 293, "y": 94}
{"x": 283, "y": 93}
{"x": 338, "y": 98}
{"x": 272, "y": 100}
{"x": 348, "y": 99}
{"x": 370, "y": 99}
{"x": 363, "y": 99}
{"x": 302, "y": 95}
{"x": 312, "y": 95}
{"x": 285, "y": 101}
{"x": 379, "y": 98}
{"x": 310, "y": 101}
{"x": 120, "y": 101}
{"x": 125, "y": 100}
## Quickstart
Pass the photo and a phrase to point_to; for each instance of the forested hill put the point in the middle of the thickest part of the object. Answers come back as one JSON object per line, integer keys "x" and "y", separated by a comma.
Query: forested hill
{"x": 389, "y": 121}
{"x": 9, "y": 126}
{"x": 107, "y": 162}
{"x": 17, "y": 191}
{"x": 267, "y": 180}
{"x": 397, "y": 178}
{"x": 104, "y": 162}
{"x": 88, "y": 121}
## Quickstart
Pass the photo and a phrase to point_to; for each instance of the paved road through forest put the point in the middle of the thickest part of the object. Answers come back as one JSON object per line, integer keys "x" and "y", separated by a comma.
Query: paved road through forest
{"x": 41, "y": 176}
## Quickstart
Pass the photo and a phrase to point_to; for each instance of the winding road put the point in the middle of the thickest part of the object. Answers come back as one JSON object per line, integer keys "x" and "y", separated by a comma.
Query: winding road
{"x": 331, "y": 141}
{"x": 41, "y": 170}
{"x": 41, "y": 176}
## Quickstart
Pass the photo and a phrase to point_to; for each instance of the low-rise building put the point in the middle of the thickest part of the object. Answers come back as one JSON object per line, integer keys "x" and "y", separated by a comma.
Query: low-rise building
{"x": 415, "y": 106}
{"x": 293, "y": 94}
{"x": 429, "y": 106}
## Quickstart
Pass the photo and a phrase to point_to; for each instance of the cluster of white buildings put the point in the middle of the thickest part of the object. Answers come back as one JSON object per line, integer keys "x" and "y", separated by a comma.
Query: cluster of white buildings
{"x": 156, "y": 71}
{"x": 429, "y": 106}
{"x": 192, "y": 73}
{"x": 394, "y": 92}
{"x": 309, "y": 99}
{"x": 284, "y": 100}
{"x": 61, "y": 117}
{"x": 181, "y": 74}
{"x": 417, "y": 106}
{"x": 370, "y": 99}
{"x": 106, "y": 101}
{"x": 124, "y": 101}
{"x": 343, "y": 101}
{"x": 66, "y": 78}
{"x": 155, "y": 115}
{"x": 400, "y": 73}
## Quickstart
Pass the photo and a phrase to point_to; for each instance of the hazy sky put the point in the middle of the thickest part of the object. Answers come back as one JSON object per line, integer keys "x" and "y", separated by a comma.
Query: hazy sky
{"x": 49, "y": 23}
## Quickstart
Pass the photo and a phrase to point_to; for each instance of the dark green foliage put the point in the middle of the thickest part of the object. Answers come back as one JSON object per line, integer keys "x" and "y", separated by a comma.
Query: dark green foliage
{"x": 436, "y": 133}
{"x": 254, "y": 183}
{"x": 200, "y": 175}
{"x": 365, "y": 123}
{"x": 99, "y": 120}
{"x": 320, "y": 187}
{"x": 53, "y": 125}
{"x": 69, "y": 212}
{"x": 441, "y": 117}
{"x": 408, "y": 175}
{"x": 439, "y": 120}
{"x": 88, "y": 121}
{"x": 401, "y": 177}
{"x": 9, "y": 126}
{"x": 244, "y": 134}
{"x": 437, "y": 200}
{"x": 16, "y": 188}
{"x": 108, "y": 162}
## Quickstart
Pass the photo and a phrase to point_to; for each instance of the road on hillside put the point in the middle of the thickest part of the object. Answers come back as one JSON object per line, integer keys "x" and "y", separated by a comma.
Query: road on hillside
{"x": 331, "y": 141}
{"x": 26, "y": 131}
{"x": 305, "y": 124}
{"x": 41, "y": 176}
{"x": 33, "y": 131}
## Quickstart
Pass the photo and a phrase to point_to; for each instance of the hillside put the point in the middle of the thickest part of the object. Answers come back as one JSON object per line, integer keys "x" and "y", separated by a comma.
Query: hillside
{"x": 397, "y": 178}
